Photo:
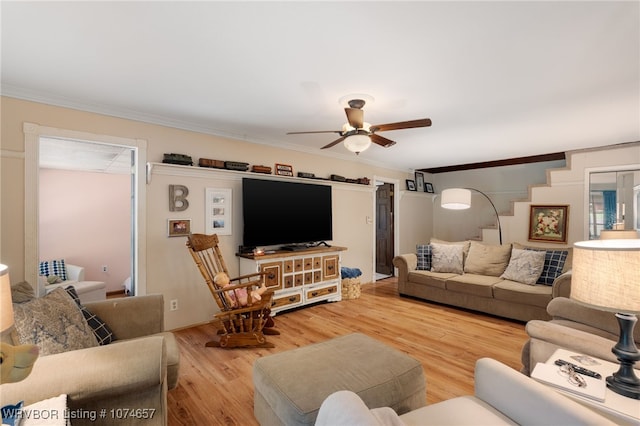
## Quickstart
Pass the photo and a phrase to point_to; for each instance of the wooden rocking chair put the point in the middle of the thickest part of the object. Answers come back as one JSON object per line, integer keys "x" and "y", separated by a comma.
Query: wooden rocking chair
{"x": 238, "y": 326}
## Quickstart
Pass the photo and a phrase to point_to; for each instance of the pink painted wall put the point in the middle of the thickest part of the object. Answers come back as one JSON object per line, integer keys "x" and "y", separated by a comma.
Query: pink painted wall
{"x": 85, "y": 218}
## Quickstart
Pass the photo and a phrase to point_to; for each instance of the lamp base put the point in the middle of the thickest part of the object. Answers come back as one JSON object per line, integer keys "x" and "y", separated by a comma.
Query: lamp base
{"x": 624, "y": 381}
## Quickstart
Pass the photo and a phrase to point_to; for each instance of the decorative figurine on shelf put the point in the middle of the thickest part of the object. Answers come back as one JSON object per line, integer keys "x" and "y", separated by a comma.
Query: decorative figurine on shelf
{"x": 238, "y": 296}
{"x": 16, "y": 362}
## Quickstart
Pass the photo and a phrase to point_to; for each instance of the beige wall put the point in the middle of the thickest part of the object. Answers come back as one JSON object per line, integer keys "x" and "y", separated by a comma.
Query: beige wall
{"x": 169, "y": 269}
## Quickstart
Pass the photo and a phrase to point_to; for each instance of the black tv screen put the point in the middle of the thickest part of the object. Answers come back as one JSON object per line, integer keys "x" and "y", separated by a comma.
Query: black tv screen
{"x": 277, "y": 212}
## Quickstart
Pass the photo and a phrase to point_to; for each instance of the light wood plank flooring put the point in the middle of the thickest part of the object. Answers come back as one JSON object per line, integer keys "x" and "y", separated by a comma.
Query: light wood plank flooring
{"x": 216, "y": 386}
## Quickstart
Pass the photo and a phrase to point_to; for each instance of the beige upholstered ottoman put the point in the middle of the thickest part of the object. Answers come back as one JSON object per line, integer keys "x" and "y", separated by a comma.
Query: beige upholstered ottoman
{"x": 289, "y": 387}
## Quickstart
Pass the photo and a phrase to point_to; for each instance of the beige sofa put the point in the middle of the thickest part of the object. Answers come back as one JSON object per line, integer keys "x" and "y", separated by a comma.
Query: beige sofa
{"x": 574, "y": 327}
{"x": 478, "y": 285}
{"x": 127, "y": 379}
{"x": 502, "y": 397}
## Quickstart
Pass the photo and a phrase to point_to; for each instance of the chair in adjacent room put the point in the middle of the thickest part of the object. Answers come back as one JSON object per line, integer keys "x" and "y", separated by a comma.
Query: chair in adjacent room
{"x": 239, "y": 324}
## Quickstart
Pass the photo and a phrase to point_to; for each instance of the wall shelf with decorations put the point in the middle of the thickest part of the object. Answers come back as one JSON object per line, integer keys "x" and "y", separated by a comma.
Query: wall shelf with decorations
{"x": 226, "y": 174}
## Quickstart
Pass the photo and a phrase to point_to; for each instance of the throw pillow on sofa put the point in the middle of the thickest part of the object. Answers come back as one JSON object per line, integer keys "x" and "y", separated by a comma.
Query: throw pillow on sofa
{"x": 484, "y": 259}
{"x": 423, "y": 252}
{"x": 54, "y": 323}
{"x": 525, "y": 266}
{"x": 55, "y": 267}
{"x": 447, "y": 258}
{"x": 557, "y": 261}
{"x": 101, "y": 330}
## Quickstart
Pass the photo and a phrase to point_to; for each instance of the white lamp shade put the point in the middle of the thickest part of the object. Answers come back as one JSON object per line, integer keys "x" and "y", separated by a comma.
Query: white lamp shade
{"x": 357, "y": 143}
{"x": 606, "y": 274}
{"x": 6, "y": 307}
{"x": 455, "y": 199}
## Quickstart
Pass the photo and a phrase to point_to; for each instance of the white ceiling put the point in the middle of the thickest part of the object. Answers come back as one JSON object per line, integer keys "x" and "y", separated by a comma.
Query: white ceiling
{"x": 498, "y": 79}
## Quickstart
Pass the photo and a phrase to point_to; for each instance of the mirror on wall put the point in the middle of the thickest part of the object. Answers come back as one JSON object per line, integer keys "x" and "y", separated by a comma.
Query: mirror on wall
{"x": 614, "y": 201}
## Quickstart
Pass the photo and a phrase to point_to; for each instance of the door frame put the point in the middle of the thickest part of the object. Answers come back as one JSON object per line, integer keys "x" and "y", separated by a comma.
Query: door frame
{"x": 396, "y": 223}
{"x": 32, "y": 134}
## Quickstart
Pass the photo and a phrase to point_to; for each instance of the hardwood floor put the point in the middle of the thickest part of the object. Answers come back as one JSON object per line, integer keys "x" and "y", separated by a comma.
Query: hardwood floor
{"x": 216, "y": 386}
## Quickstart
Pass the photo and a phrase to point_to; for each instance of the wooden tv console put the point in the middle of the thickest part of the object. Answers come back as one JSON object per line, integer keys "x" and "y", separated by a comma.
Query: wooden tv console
{"x": 299, "y": 277}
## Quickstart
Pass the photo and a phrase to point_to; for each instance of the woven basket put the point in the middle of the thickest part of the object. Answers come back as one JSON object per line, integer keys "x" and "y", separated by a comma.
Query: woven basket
{"x": 350, "y": 288}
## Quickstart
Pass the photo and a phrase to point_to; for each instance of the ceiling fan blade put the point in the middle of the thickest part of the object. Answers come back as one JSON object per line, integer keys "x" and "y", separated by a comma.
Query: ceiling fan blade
{"x": 424, "y": 122}
{"x": 314, "y": 131}
{"x": 355, "y": 117}
{"x": 384, "y": 142}
{"x": 337, "y": 141}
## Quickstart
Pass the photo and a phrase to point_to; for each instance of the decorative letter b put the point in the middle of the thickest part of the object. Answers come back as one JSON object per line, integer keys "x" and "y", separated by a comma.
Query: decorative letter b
{"x": 178, "y": 198}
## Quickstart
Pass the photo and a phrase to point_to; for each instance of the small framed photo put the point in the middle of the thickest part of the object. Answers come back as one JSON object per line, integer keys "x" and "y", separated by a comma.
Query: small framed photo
{"x": 420, "y": 181}
{"x": 428, "y": 187}
{"x": 179, "y": 227}
{"x": 218, "y": 204}
{"x": 549, "y": 223}
{"x": 284, "y": 170}
{"x": 411, "y": 185}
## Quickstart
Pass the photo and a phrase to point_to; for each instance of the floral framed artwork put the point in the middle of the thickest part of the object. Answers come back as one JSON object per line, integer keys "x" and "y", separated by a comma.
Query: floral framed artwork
{"x": 179, "y": 227}
{"x": 549, "y": 223}
{"x": 218, "y": 211}
{"x": 411, "y": 185}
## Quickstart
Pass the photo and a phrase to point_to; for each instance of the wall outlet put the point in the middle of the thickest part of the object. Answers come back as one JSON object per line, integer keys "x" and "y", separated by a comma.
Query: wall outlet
{"x": 104, "y": 268}
{"x": 173, "y": 305}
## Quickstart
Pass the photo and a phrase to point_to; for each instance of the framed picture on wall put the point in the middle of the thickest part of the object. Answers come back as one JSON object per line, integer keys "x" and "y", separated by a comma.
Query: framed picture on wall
{"x": 420, "y": 181}
{"x": 549, "y": 223}
{"x": 218, "y": 211}
{"x": 428, "y": 187}
{"x": 179, "y": 227}
{"x": 411, "y": 185}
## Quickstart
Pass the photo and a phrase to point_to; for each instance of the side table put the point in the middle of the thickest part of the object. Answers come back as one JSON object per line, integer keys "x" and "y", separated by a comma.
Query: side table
{"x": 617, "y": 408}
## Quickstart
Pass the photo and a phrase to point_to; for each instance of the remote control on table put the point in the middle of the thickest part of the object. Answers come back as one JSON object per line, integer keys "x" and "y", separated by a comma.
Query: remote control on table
{"x": 578, "y": 369}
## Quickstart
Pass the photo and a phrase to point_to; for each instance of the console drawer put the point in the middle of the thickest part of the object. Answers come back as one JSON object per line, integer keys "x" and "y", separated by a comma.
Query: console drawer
{"x": 286, "y": 300}
{"x": 321, "y": 292}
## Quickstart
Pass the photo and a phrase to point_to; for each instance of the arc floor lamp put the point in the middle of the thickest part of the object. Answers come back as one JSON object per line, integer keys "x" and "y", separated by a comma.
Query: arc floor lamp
{"x": 460, "y": 199}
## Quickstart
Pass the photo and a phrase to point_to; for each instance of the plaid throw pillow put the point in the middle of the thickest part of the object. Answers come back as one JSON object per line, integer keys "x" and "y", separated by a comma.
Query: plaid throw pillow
{"x": 101, "y": 330}
{"x": 553, "y": 265}
{"x": 424, "y": 257}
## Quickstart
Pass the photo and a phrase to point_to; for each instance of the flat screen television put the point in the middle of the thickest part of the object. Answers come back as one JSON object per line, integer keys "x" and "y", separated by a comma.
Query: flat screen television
{"x": 285, "y": 213}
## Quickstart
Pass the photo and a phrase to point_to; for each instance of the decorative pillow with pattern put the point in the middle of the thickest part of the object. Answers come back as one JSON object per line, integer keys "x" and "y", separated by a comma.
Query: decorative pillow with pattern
{"x": 446, "y": 258}
{"x": 103, "y": 333}
{"x": 553, "y": 265}
{"x": 424, "y": 257}
{"x": 54, "y": 323}
{"x": 525, "y": 266}
{"x": 54, "y": 267}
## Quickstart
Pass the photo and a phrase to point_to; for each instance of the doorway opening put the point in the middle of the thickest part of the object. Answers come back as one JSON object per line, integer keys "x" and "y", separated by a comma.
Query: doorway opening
{"x": 385, "y": 230}
{"x": 84, "y": 151}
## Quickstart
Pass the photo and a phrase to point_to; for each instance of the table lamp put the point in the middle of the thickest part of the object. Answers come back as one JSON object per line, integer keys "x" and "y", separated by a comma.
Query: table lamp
{"x": 606, "y": 275}
{"x": 16, "y": 362}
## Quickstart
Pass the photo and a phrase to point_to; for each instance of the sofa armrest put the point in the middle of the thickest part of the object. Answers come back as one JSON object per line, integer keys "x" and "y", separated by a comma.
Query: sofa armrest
{"x": 97, "y": 373}
{"x": 405, "y": 263}
{"x": 130, "y": 317}
{"x": 526, "y": 401}
{"x": 75, "y": 273}
{"x": 562, "y": 285}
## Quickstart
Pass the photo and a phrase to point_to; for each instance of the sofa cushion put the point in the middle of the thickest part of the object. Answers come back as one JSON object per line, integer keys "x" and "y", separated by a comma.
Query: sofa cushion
{"x": 430, "y": 279}
{"x": 447, "y": 258}
{"x": 103, "y": 333}
{"x": 54, "y": 323}
{"x": 523, "y": 294}
{"x": 486, "y": 259}
{"x": 424, "y": 257}
{"x": 477, "y": 285}
{"x": 525, "y": 266}
{"x": 568, "y": 261}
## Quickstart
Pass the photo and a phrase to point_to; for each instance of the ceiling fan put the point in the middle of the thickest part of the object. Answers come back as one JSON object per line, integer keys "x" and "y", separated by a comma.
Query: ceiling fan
{"x": 358, "y": 135}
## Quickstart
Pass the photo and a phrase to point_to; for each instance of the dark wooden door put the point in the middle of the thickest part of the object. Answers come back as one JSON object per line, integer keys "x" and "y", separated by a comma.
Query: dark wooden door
{"x": 384, "y": 229}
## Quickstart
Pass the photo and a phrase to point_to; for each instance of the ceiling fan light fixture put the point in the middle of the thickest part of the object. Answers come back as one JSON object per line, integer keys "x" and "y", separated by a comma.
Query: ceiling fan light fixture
{"x": 357, "y": 143}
